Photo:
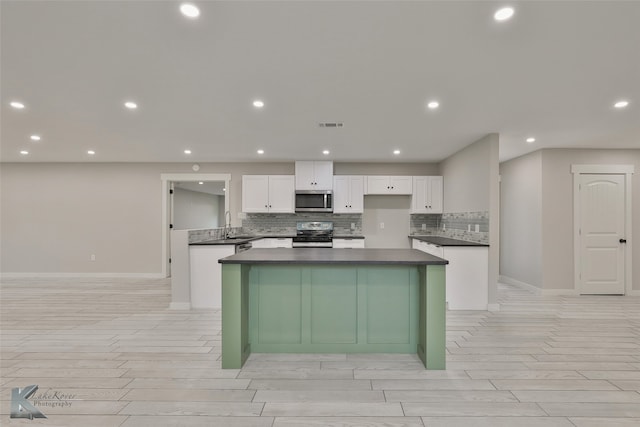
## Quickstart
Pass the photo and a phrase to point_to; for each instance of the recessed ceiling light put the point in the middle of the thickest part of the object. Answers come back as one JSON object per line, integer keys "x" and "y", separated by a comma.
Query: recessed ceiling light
{"x": 433, "y": 105}
{"x": 200, "y": 183}
{"x": 621, "y": 104}
{"x": 258, "y": 103}
{"x": 187, "y": 151}
{"x": 91, "y": 152}
{"x": 131, "y": 105}
{"x": 530, "y": 140}
{"x": 35, "y": 137}
{"x": 503, "y": 14}
{"x": 396, "y": 152}
{"x": 260, "y": 151}
{"x": 189, "y": 10}
{"x": 325, "y": 152}
{"x": 17, "y": 105}
{"x": 24, "y": 152}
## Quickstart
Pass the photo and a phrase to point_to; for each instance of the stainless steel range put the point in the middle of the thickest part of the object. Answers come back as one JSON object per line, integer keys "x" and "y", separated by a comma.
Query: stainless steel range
{"x": 314, "y": 234}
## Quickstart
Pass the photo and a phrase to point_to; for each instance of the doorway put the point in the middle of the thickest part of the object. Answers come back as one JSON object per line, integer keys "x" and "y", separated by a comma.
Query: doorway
{"x": 602, "y": 229}
{"x": 185, "y": 180}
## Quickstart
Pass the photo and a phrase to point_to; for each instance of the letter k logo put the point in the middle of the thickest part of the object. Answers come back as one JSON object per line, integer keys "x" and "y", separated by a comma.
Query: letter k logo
{"x": 21, "y": 407}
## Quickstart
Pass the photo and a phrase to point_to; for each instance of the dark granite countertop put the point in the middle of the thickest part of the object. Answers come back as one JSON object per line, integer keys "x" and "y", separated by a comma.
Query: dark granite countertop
{"x": 238, "y": 240}
{"x": 446, "y": 241}
{"x": 334, "y": 256}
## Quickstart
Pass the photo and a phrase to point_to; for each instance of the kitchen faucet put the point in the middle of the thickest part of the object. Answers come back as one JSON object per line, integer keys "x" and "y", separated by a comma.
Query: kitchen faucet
{"x": 227, "y": 225}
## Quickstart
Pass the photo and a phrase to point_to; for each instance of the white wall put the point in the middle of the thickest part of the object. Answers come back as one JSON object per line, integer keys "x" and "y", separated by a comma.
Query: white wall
{"x": 54, "y": 216}
{"x": 193, "y": 209}
{"x": 521, "y": 219}
{"x": 467, "y": 178}
{"x": 393, "y": 212}
{"x": 471, "y": 183}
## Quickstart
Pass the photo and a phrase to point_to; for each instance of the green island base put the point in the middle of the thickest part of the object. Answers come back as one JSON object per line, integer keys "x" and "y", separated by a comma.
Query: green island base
{"x": 325, "y": 308}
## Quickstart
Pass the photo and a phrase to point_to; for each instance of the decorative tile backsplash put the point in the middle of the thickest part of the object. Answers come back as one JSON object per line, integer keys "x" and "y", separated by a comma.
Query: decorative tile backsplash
{"x": 283, "y": 224}
{"x": 458, "y": 225}
{"x": 453, "y": 225}
{"x": 196, "y": 236}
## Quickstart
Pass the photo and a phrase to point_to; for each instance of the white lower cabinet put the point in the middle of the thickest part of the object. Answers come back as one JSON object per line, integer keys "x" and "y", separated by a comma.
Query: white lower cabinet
{"x": 348, "y": 243}
{"x": 206, "y": 274}
{"x": 272, "y": 242}
{"x": 467, "y": 274}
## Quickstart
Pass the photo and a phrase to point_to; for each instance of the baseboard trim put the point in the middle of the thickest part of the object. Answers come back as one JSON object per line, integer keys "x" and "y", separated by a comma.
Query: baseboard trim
{"x": 523, "y": 285}
{"x": 536, "y": 290}
{"x": 559, "y": 292}
{"x": 82, "y": 276}
{"x": 180, "y": 306}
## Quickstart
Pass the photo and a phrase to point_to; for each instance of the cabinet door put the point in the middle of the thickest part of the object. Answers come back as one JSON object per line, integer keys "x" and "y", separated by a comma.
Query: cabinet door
{"x": 282, "y": 242}
{"x": 400, "y": 184}
{"x": 281, "y": 193}
{"x": 378, "y": 185}
{"x": 348, "y": 243}
{"x": 255, "y": 193}
{"x": 261, "y": 244}
{"x": 356, "y": 191}
{"x": 419, "y": 198}
{"x": 341, "y": 196}
{"x": 323, "y": 175}
{"x": 435, "y": 194}
{"x": 305, "y": 176}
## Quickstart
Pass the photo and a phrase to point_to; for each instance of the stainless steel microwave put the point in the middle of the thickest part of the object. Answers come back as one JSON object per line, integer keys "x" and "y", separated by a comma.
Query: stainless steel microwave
{"x": 314, "y": 201}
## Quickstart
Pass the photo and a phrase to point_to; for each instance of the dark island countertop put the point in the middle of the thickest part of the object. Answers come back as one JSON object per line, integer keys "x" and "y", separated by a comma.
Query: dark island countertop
{"x": 334, "y": 256}
{"x": 446, "y": 241}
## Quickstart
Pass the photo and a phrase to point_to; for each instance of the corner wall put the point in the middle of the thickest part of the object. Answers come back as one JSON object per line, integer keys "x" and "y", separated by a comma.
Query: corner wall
{"x": 471, "y": 184}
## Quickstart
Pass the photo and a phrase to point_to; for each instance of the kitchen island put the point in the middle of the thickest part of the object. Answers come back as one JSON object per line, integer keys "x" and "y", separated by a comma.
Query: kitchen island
{"x": 319, "y": 300}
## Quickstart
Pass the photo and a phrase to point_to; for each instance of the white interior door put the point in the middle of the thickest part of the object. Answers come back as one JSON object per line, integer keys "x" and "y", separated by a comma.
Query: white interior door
{"x": 602, "y": 226}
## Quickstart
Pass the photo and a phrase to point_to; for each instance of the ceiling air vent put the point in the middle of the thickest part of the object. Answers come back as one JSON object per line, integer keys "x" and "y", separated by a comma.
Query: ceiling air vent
{"x": 330, "y": 125}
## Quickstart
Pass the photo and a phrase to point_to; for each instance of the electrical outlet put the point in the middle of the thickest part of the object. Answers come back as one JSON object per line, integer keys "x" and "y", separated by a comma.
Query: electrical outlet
{"x": 382, "y": 225}
{"x": 424, "y": 227}
{"x": 477, "y": 228}
{"x": 469, "y": 227}
{"x": 93, "y": 257}
{"x": 353, "y": 225}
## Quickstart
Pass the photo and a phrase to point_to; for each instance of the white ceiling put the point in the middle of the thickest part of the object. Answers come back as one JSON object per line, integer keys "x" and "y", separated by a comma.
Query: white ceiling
{"x": 552, "y": 72}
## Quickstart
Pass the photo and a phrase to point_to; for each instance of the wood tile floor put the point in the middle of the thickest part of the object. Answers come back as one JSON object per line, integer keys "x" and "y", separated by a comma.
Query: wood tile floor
{"x": 110, "y": 353}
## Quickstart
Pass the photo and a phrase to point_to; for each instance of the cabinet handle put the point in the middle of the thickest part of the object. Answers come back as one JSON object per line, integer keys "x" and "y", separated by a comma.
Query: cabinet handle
{"x": 623, "y": 240}
{"x": 266, "y": 206}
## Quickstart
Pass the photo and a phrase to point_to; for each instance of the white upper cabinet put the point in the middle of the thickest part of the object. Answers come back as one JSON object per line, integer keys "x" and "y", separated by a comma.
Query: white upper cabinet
{"x": 348, "y": 194}
{"x": 268, "y": 193}
{"x": 389, "y": 185}
{"x": 427, "y": 194}
{"x": 314, "y": 175}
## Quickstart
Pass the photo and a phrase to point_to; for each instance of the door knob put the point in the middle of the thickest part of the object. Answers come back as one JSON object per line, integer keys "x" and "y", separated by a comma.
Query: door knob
{"x": 623, "y": 240}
